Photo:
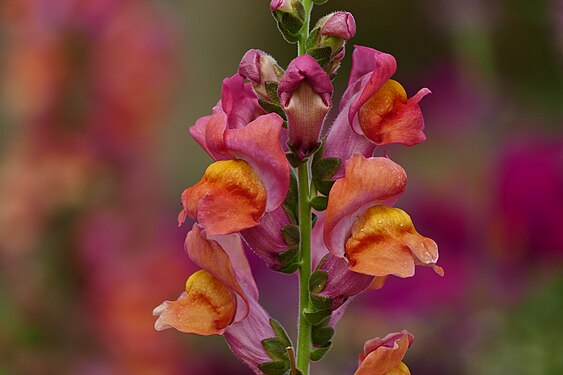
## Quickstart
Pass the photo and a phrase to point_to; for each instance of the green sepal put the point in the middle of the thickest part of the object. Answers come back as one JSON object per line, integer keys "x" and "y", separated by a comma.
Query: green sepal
{"x": 289, "y": 268}
{"x": 324, "y": 168}
{"x": 321, "y": 302}
{"x": 321, "y": 54}
{"x": 320, "y": 2}
{"x": 271, "y": 107}
{"x": 319, "y": 203}
{"x": 275, "y": 348}
{"x": 318, "y": 317}
{"x": 274, "y": 367}
{"x": 290, "y": 234}
{"x": 289, "y": 256}
{"x": 289, "y": 260}
{"x": 287, "y": 35}
{"x": 324, "y": 186}
{"x": 321, "y": 335}
{"x": 318, "y": 281}
{"x": 291, "y": 200}
{"x": 313, "y": 39}
{"x": 314, "y": 219}
{"x": 322, "y": 171}
{"x": 272, "y": 91}
{"x": 280, "y": 332}
{"x": 318, "y": 353}
{"x": 293, "y": 160}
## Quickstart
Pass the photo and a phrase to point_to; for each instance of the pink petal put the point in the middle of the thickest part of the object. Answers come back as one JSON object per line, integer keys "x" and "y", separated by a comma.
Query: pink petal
{"x": 258, "y": 145}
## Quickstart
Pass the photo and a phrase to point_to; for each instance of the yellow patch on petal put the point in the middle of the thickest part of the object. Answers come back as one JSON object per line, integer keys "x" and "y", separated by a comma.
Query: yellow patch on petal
{"x": 230, "y": 197}
{"x": 384, "y": 242}
{"x": 206, "y": 308}
{"x": 401, "y": 369}
{"x": 383, "y": 104}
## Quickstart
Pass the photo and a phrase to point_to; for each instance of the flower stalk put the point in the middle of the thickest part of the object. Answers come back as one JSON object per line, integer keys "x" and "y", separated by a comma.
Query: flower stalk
{"x": 303, "y": 325}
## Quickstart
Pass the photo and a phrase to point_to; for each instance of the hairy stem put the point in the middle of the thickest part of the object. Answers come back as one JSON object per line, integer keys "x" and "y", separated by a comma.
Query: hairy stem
{"x": 304, "y": 327}
{"x": 308, "y": 5}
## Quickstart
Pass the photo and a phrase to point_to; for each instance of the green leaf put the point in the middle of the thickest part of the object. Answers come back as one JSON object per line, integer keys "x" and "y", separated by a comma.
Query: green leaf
{"x": 280, "y": 332}
{"x": 318, "y": 281}
{"x": 274, "y": 367}
{"x": 313, "y": 39}
{"x": 319, "y": 203}
{"x": 322, "y": 335}
{"x": 318, "y": 353}
{"x": 317, "y": 317}
{"x": 290, "y": 234}
{"x": 275, "y": 348}
{"x": 288, "y": 35}
{"x": 320, "y": 2}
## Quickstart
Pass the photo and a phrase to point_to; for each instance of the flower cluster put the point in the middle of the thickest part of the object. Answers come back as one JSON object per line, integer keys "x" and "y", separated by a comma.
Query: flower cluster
{"x": 265, "y": 138}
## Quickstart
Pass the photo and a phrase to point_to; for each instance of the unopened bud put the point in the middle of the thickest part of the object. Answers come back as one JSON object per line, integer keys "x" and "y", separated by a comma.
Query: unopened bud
{"x": 264, "y": 72}
{"x": 290, "y": 16}
{"x": 326, "y": 41}
{"x": 305, "y": 94}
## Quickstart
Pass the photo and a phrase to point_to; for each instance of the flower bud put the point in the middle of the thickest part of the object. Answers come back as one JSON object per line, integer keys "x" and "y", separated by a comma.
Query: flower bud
{"x": 264, "y": 72}
{"x": 290, "y": 16}
{"x": 305, "y": 94}
{"x": 384, "y": 356}
{"x": 326, "y": 41}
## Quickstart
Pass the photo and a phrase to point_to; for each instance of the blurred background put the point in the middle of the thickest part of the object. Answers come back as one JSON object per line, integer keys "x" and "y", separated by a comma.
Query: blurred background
{"x": 96, "y": 100}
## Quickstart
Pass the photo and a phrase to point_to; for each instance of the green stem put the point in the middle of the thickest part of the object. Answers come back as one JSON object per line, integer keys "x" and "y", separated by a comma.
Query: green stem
{"x": 301, "y": 48}
{"x": 304, "y": 327}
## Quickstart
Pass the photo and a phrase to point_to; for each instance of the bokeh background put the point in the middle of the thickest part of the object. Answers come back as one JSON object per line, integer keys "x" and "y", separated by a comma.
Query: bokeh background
{"x": 97, "y": 97}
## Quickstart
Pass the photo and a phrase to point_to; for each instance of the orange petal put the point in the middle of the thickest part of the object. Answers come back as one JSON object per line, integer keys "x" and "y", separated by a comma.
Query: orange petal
{"x": 383, "y": 356}
{"x": 367, "y": 182}
{"x": 390, "y": 117}
{"x": 401, "y": 369}
{"x": 207, "y": 307}
{"x": 229, "y": 198}
{"x": 384, "y": 242}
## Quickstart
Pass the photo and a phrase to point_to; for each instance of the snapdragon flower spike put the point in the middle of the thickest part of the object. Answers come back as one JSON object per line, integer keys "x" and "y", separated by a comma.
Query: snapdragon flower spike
{"x": 384, "y": 356}
{"x": 375, "y": 109}
{"x": 250, "y": 175}
{"x": 305, "y": 93}
{"x": 264, "y": 73}
{"x": 375, "y": 239}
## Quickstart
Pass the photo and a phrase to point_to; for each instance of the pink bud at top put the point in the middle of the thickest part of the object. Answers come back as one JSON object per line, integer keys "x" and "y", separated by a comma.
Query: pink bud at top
{"x": 339, "y": 24}
{"x": 305, "y": 94}
{"x": 283, "y": 5}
